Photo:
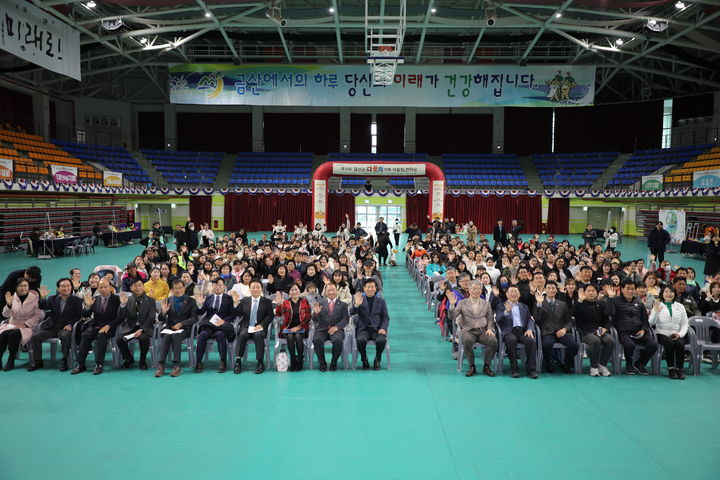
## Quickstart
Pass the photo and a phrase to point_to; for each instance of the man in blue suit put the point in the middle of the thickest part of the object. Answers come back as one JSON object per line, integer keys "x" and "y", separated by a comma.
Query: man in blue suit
{"x": 372, "y": 322}
{"x": 516, "y": 325}
{"x": 219, "y": 311}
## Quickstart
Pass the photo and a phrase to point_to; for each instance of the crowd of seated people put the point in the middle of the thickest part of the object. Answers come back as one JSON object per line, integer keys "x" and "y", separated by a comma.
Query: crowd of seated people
{"x": 206, "y": 289}
{"x": 565, "y": 294}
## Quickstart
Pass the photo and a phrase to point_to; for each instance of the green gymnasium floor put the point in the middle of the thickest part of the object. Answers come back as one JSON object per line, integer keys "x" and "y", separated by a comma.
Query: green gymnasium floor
{"x": 420, "y": 420}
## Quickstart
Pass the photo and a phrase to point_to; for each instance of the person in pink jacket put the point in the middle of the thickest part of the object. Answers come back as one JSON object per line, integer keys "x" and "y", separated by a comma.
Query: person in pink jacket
{"x": 22, "y": 313}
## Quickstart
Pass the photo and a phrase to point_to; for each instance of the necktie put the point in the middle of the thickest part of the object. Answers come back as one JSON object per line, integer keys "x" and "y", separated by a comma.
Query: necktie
{"x": 331, "y": 306}
{"x": 217, "y": 302}
{"x": 253, "y": 313}
{"x": 103, "y": 304}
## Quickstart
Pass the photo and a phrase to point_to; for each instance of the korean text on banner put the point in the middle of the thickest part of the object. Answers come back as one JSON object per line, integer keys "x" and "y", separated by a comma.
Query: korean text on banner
{"x": 38, "y": 37}
{"x": 379, "y": 170}
{"x": 413, "y": 86}
{"x": 6, "y": 169}
{"x": 63, "y": 174}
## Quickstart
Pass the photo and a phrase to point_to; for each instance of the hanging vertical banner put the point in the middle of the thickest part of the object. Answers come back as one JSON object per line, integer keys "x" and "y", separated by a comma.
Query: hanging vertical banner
{"x": 33, "y": 35}
{"x": 674, "y": 223}
{"x": 63, "y": 174}
{"x": 112, "y": 179}
{"x": 6, "y": 169}
{"x": 438, "y": 199}
{"x": 413, "y": 85}
{"x": 320, "y": 201}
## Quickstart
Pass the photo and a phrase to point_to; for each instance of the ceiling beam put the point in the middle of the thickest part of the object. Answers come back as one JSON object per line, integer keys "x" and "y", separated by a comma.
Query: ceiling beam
{"x": 541, "y": 30}
{"x": 338, "y": 36}
{"x": 426, "y": 22}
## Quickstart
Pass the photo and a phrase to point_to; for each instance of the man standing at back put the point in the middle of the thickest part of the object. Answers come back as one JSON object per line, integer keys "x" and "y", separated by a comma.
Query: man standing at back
{"x": 657, "y": 241}
{"x": 500, "y": 234}
{"x": 372, "y": 322}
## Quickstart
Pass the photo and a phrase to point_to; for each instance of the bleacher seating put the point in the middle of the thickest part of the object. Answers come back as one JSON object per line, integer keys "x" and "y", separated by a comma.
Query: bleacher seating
{"x": 572, "y": 170}
{"x": 645, "y": 162}
{"x": 283, "y": 170}
{"x": 32, "y": 157}
{"x": 183, "y": 167}
{"x": 116, "y": 159}
{"x": 501, "y": 171}
{"x": 683, "y": 174}
{"x": 377, "y": 157}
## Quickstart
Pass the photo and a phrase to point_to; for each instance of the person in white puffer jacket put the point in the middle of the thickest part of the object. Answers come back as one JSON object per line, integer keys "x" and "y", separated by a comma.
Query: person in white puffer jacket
{"x": 671, "y": 325}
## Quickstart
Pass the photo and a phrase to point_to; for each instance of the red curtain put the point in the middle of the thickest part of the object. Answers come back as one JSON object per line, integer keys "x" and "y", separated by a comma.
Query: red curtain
{"x": 201, "y": 210}
{"x": 559, "y": 216}
{"x": 337, "y": 207}
{"x": 416, "y": 210}
{"x": 486, "y": 211}
{"x": 260, "y": 212}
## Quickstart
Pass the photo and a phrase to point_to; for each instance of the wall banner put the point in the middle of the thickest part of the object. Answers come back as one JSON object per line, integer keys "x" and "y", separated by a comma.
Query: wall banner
{"x": 651, "y": 182}
{"x": 378, "y": 170}
{"x": 38, "y": 37}
{"x": 414, "y": 85}
{"x": 674, "y": 223}
{"x": 63, "y": 174}
{"x": 706, "y": 179}
{"x": 6, "y": 169}
{"x": 112, "y": 179}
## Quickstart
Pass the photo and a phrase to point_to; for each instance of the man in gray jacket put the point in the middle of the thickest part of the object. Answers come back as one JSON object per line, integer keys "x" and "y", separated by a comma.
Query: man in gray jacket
{"x": 474, "y": 317}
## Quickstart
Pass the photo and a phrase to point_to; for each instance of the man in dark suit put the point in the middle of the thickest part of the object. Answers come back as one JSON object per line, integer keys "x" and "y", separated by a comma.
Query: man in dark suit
{"x": 219, "y": 312}
{"x": 517, "y": 326}
{"x": 179, "y": 314}
{"x": 372, "y": 322}
{"x": 331, "y": 317}
{"x": 256, "y": 314}
{"x": 137, "y": 315}
{"x": 657, "y": 241}
{"x": 515, "y": 229}
{"x": 553, "y": 317}
{"x": 65, "y": 310}
{"x": 631, "y": 321}
{"x": 101, "y": 312}
{"x": 500, "y": 234}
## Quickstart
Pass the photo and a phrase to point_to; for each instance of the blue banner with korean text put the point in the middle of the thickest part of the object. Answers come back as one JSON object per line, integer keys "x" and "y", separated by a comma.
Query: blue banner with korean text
{"x": 414, "y": 86}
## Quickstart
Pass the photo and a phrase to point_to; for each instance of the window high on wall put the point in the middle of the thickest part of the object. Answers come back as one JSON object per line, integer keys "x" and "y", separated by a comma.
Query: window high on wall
{"x": 667, "y": 123}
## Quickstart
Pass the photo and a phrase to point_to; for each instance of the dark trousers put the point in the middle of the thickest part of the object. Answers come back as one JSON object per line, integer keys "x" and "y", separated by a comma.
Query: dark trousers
{"x": 571, "y": 348}
{"x": 600, "y": 349}
{"x": 659, "y": 255}
{"x": 36, "y": 341}
{"x": 364, "y": 336}
{"x": 383, "y": 256}
{"x": 175, "y": 340}
{"x": 10, "y": 339}
{"x": 101, "y": 341}
{"x": 397, "y": 239}
{"x": 206, "y": 333}
{"x": 511, "y": 340}
{"x": 477, "y": 335}
{"x": 674, "y": 350}
{"x": 337, "y": 340}
{"x": 296, "y": 345}
{"x": 258, "y": 338}
{"x": 649, "y": 345}
{"x": 143, "y": 340}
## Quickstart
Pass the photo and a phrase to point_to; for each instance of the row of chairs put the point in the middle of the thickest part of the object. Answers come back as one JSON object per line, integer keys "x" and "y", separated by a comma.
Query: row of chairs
{"x": 81, "y": 245}
{"x": 699, "y": 339}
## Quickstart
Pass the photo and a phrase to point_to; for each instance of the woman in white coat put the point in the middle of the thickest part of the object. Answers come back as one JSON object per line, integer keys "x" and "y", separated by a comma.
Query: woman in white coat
{"x": 671, "y": 324}
{"x": 611, "y": 239}
{"x": 22, "y": 312}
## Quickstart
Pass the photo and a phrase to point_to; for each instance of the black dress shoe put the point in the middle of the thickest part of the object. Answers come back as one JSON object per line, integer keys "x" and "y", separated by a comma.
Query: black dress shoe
{"x": 9, "y": 365}
{"x": 143, "y": 365}
{"x": 198, "y": 367}
{"x": 514, "y": 374}
{"x": 260, "y": 368}
{"x": 78, "y": 369}
{"x": 323, "y": 367}
{"x": 35, "y": 366}
{"x": 487, "y": 371}
{"x": 549, "y": 368}
{"x": 127, "y": 364}
{"x": 64, "y": 365}
{"x": 567, "y": 368}
{"x": 673, "y": 374}
{"x": 299, "y": 366}
{"x": 681, "y": 374}
{"x": 365, "y": 365}
{"x": 333, "y": 366}
{"x": 238, "y": 367}
{"x": 222, "y": 367}
{"x": 533, "y": 374}
{"x": 98, "y": 369}
{"x": 376, "y": 364}
{"x": 641, "y": 369}
{"x": 471, "y": 371}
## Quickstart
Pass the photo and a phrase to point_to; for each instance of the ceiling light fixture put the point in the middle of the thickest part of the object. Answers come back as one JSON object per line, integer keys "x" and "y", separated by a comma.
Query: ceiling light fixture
{"x": 558, "y": 15}
{"x": 208, "y": 14}
{"x": 680, "y": 5}
{"x": 143, "y": 40}
{"x": 92, "y": 4}
{"x": 331, "y": 10}
{"x": 433, "y": 10}
{"x": 619, "y": 42}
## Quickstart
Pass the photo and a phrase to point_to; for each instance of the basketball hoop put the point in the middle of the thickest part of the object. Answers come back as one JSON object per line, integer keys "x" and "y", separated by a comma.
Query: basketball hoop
{"x": 383, "y": 42}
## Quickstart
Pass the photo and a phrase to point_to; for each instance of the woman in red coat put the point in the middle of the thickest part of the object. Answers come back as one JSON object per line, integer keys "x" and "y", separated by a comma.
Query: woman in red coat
{"x": 296, "y": 325}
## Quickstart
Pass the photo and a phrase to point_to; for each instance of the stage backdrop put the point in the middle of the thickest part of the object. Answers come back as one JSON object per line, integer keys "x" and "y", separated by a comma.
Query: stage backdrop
{"x": 414, "y": 86}
{"x": 259, "y": 212}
